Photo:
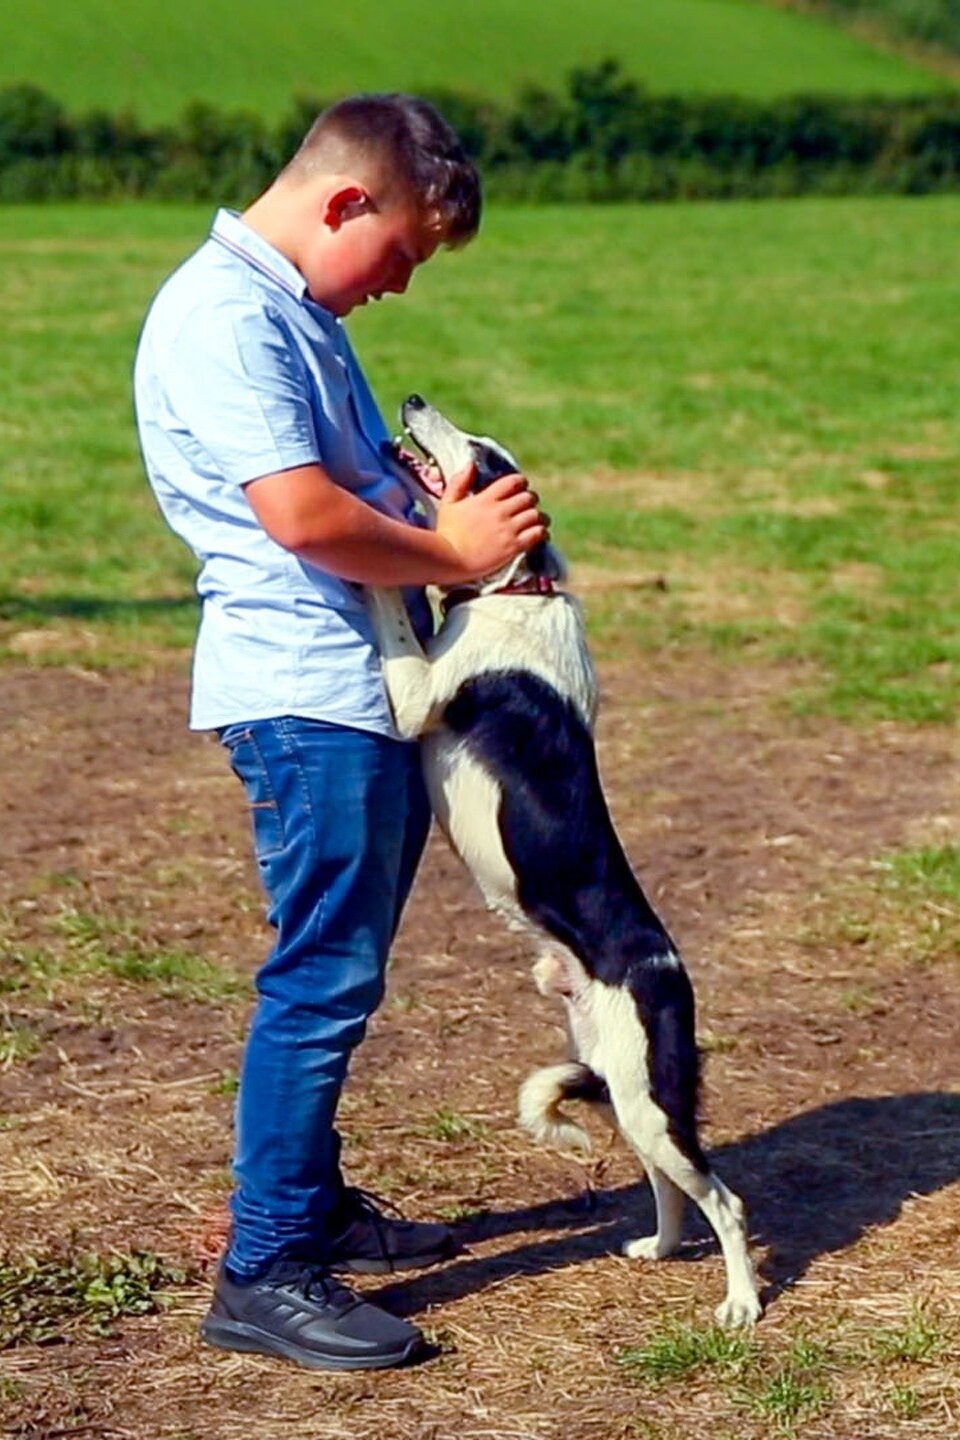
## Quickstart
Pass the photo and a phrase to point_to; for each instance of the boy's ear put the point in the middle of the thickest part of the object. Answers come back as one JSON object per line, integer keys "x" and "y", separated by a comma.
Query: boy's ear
{"x": 344, "y": 202}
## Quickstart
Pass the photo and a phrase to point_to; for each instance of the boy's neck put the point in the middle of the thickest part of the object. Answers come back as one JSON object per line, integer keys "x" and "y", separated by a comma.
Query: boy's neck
{"x": 277, "y": 216}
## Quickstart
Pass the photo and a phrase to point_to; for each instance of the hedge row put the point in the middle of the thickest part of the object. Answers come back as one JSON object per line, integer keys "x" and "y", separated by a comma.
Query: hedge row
{"x": 603, "y": 137}
{"x": 936, "y": 21}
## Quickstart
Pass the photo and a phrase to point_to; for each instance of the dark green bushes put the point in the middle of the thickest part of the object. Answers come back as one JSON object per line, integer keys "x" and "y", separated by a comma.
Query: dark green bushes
{"x": 602, "y": 138}
{"x": 935, "y": 21}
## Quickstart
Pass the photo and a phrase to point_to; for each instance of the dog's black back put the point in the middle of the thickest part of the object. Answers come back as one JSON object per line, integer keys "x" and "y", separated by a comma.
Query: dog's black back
{"x": 573, "y": 878}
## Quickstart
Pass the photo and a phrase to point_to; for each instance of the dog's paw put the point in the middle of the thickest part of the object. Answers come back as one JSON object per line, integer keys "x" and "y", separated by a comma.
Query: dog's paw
{"x": 739, "y": 1310}
{"x": 649, "y": 1247}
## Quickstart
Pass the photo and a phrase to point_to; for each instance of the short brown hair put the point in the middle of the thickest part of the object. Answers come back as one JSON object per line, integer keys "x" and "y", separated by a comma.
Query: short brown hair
{"x": 408, "y": 150}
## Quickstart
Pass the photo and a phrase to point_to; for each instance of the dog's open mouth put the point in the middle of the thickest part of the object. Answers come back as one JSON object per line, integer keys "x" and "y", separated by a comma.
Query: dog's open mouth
{"x": 423, "y": 468}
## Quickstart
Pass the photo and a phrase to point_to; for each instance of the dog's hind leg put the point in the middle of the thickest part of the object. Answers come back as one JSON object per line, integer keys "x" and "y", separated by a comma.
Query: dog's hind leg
{"x": 674, "y": 1162}
{"x": 669, "y": 1201}
{"x": 674, "y": 1174}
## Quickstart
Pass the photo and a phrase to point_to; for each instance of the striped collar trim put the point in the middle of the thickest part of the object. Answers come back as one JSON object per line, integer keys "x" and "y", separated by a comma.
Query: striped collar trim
{"x": 230, "y": 231}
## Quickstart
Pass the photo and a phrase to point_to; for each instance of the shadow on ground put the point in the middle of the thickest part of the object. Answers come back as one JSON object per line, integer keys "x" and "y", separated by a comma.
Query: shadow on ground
{"x": 813, "y": 1184}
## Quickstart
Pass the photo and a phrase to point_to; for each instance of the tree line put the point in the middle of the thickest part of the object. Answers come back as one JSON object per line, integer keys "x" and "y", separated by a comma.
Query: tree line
{"x": 935, "y": 21}
{"x": 601, "y": 137}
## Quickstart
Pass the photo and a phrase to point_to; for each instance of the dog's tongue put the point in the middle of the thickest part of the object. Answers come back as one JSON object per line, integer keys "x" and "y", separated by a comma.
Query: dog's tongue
{"x": 423, "y": 471}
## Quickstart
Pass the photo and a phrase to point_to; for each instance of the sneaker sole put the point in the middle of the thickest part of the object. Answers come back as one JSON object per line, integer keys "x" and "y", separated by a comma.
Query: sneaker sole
{"x": 233, "y": 1335}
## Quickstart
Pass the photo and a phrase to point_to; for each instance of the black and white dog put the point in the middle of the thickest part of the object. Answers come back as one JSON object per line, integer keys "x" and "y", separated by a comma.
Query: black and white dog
{"x": 505, "y": 699}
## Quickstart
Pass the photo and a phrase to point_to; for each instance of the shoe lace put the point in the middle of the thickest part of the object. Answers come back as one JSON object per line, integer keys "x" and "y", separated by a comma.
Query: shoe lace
{"x": 316, "y": 1282}
{"x": 365, "y": 1202}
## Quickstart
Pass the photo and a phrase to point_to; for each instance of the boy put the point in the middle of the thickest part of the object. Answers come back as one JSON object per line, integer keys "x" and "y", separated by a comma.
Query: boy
{"x": 263, "y": 444}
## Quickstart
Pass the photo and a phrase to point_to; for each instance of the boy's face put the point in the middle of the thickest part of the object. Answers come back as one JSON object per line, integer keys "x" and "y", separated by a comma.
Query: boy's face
{"x": 362, "y": 252}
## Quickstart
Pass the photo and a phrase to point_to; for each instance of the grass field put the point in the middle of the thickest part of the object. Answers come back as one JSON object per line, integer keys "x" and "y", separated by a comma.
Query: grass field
{"x": 156, "y": 56}
{"x": 753, "y": 405}
{"x": 743, "y": 420}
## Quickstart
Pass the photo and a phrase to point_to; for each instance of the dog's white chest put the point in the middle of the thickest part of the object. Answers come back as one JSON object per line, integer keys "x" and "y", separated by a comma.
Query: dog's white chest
{"x": 541, "y": 635}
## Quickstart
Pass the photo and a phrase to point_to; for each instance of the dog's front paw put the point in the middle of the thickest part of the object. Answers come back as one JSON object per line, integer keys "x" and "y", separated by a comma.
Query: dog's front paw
{"x": 648, "y": 1247}
{"x": 739, "y": 1310}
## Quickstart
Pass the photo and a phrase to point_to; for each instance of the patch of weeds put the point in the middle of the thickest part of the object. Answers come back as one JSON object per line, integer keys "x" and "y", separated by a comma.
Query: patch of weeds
{"x": 62, "y": 880}
{"x": 933, "y": 870}
{"x": 794, "y": 1389}
{"x": 710, "y": 1043}
{"x": 904, "y": 1401}
{"x": 680, "y": 1350}
{"x": 104, "y": 943}
{"x": 399, "y": 1182}
{"x": 928, "y": 880}
{"x": 178, "y": 974}
{"x": 28, "y": 969}
{"x": 442, "y": 1338}
{"x": 450, "y": 1125}
{"x": 227, "y": 1084}
{"x": 907, "y": 910}
{"x": 219, "y": 1178}
{"x": 18, "y": 1040}
{"x": 918, "y": 1338}
{"x": 42, "y": 1300}
{"x": 461, "y": 1211}
{"x": 860, "y": 1000}
{"x": 788, "y": 1396}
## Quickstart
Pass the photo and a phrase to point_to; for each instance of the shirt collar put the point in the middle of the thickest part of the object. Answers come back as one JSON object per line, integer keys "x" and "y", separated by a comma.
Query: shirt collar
{"x": 236, "y": 236}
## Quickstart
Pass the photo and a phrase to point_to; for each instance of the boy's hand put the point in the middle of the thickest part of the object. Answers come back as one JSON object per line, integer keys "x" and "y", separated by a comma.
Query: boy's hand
{"x": 488, "y": 529}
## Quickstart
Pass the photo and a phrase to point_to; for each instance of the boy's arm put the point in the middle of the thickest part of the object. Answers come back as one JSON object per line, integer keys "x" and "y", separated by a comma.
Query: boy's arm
{"x": 306, "y": 512}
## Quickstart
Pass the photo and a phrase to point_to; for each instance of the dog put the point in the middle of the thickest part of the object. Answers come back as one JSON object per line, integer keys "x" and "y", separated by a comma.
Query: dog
{"x": 504, "y": 699}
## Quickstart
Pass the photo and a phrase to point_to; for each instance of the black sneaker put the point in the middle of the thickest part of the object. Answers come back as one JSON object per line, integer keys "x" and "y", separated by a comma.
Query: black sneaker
{"x": 371, "y": 1243}
{"x": 299, "y": 1312}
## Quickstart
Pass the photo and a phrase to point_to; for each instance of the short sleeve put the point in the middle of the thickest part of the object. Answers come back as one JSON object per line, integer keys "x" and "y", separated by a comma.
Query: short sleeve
{"x": 236, "y": 384}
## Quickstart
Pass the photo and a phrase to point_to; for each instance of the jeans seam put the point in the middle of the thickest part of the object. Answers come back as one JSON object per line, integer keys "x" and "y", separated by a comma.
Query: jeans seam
{"x": 285, "y": 731}
{"x": 268, "y": 853}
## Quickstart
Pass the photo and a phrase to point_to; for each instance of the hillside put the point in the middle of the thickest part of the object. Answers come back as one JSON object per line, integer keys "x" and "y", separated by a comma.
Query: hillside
{"x": 155, "y": 56}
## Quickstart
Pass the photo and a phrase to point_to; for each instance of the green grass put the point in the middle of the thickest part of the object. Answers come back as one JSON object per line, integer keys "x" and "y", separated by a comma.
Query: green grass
{"x": 155, "y": 56}
{"x": 19, "y": 1039}
{"x": 451, "y": 1126}
{"x": 755, "y": 402}
{"x": 106, "y": 944}
{"x": 680, "y": 1350}
{"x": 45, "y": 1299}
{"x": 904, "y": 912}
{"x": 920, "y": 1337}
{"x": 932, "y": 871}
{"x": 785, "y": 1380}
{"x": 72, "y": 947}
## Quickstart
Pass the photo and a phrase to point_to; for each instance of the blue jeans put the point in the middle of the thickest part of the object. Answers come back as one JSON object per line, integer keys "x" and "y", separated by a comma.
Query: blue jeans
{"x": 340, "y": 818}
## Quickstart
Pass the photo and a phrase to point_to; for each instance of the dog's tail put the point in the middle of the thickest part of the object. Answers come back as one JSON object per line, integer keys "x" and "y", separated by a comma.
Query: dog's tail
{"x": 542, "y": 1094}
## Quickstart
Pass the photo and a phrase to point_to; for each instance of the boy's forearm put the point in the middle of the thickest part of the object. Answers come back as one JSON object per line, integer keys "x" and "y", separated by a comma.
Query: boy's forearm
{"x": 372, "y": 549}
{"x": 308, "y": 514}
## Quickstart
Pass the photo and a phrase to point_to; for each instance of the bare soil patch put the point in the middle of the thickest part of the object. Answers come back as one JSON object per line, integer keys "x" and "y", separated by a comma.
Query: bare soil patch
{"x": 835, "y": 1117}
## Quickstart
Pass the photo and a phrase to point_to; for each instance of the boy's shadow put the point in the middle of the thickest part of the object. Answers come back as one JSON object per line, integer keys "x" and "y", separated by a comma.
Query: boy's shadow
{"x": 813, "y": 1184}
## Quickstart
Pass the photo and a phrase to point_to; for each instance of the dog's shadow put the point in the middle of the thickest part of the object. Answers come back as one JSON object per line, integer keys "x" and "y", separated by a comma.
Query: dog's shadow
{"x": 813, "y": 1184}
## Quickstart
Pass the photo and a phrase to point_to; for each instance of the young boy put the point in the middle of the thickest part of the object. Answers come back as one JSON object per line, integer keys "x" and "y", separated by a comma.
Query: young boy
{"x": 263, "y": 444}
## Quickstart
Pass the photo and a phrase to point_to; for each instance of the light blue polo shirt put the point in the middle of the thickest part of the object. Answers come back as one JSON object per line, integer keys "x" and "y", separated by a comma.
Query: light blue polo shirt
{"x": 239, "y": 374}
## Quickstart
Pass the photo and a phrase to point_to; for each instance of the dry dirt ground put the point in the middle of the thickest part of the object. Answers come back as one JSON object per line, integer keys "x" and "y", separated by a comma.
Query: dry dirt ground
{"x": 831, "y": 1095}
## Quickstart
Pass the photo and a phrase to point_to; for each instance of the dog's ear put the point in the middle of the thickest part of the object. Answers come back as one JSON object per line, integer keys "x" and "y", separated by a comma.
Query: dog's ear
{"x": 492, "y": 461}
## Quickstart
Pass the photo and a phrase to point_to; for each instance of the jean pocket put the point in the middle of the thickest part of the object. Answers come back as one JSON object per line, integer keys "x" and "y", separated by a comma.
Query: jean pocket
{"x": 250, "y": 767}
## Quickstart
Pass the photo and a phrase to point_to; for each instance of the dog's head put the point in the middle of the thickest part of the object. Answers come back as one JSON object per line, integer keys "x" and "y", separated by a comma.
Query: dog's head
{"x": 448, "y": 450}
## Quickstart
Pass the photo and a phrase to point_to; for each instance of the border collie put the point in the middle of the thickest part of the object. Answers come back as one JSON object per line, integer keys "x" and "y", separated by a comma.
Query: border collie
{"x": 504, "y": 698}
